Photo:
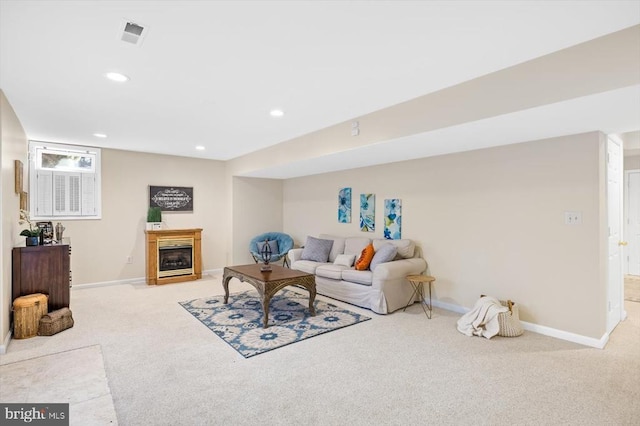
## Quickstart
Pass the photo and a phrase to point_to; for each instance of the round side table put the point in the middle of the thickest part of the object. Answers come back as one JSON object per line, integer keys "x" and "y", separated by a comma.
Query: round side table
{"x": 417, "y": 281}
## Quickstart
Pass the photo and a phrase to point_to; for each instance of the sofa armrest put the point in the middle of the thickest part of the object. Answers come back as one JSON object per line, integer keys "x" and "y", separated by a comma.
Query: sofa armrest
{"x": 294, "y": 255}
{"x": 399, "y": 269}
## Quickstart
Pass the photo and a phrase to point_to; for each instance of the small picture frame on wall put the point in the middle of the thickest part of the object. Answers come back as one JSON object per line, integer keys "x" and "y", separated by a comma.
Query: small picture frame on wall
{"x": 24, "y": 197}
{"x": 18, "y": 176}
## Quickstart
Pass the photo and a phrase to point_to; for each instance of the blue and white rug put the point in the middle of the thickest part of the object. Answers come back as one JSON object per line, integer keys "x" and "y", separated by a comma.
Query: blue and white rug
{"x": 239, "y": 323}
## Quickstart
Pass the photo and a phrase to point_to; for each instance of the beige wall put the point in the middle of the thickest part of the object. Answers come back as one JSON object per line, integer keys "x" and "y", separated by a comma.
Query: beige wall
{"x": 489, "y": 221}
{"x": 100, "y": 247}
{"x": 632, "y": 162}
{"x": 13, "y": 147}
{"x": 257, "y": 208}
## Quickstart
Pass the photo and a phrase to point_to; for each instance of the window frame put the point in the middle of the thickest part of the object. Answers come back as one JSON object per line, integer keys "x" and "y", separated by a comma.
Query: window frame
{"x": 36, "y": 150}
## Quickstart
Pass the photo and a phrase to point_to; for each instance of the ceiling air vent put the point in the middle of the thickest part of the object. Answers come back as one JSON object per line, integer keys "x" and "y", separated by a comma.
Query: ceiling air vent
{"x": 133, "y": 33}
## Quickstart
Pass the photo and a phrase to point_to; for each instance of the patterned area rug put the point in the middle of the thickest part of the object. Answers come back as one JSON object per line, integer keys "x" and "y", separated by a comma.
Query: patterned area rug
{"x": 239, "y": 323}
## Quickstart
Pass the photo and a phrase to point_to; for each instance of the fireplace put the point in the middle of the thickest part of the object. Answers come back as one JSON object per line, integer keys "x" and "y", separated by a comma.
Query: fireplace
{"x": 173, "y": 255}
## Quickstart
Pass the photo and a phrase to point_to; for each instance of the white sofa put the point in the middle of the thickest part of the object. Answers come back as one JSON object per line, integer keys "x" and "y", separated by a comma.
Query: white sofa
{"x": 383, "y": 290}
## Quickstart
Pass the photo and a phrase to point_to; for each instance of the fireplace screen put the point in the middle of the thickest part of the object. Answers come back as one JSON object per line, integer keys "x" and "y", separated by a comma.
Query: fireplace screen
{"x": 175, "y": 257}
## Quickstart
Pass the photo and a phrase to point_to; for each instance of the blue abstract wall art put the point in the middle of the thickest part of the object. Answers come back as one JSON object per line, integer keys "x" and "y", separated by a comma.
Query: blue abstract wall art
{"x": 367, "y": 212}
{"x": 393, "y": 219}
{"x": 344, "y": 205}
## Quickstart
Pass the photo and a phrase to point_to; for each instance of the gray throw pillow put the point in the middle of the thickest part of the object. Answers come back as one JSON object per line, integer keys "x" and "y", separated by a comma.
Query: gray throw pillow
{"x": 316, "y": 249}
{"x": 385, "y": 253}
{"x": 273, "y": 245}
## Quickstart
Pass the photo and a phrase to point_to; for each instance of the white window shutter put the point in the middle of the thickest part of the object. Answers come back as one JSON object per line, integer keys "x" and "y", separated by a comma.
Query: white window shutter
{"x": 59, "y": 194}
{"x": 43, "y": 197}
{"x": 88, "y": 194}
{"x": 74, "y": 194}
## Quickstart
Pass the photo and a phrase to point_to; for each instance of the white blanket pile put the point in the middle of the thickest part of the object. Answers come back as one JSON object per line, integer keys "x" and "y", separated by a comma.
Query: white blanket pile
{"x": 482, "y": 320}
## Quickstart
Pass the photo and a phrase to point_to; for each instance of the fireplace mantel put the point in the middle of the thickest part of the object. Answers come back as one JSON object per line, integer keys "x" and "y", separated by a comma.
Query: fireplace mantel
{"x": 155, "y": 239}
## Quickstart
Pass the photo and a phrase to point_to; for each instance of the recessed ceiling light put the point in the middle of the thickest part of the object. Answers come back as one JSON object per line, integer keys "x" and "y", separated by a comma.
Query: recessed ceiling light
{"x": 200, "y": 148}
{"x": 100, "y": 135}
{"x": 116, "y": 76}
{"x": 276, "y": 113}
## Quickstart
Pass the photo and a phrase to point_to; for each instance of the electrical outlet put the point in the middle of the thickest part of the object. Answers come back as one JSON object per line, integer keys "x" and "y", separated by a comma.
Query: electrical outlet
{"x": 573, "y": 218}
{"x": 129, "y": 259}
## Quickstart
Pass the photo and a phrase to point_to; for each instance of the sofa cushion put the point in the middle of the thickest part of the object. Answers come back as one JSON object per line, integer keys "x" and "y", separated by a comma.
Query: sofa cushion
{"x": 308, "y": 266}
{"x": 355, "y": 245}
{"x": 316, "y": 249}
{"x": 406, "y": 248}
{"x": 358, "y": 277}
{"x": 362, "y": 264}
{"x": 337, "y": 248}
{"x": 331, "y": 271}
{"x": 386, "y": 253}
{"x": 345, "y": 259}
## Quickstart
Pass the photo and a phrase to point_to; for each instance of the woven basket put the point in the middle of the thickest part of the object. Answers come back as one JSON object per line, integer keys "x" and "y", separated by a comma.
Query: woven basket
{"x": 510, "y": 321}
{"x": 54, "y": 322}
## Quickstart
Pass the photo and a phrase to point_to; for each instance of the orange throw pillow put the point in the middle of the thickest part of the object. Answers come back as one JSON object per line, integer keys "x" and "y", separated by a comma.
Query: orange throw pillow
{"x": 362, "y": 264}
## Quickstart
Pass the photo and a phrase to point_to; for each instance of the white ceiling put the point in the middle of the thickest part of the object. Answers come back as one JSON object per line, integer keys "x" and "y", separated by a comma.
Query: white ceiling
{"x": 209, "y": 72}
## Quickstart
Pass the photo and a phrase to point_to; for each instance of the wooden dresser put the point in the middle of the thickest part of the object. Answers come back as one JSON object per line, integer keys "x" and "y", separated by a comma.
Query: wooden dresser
{"x": 43, "y": 269}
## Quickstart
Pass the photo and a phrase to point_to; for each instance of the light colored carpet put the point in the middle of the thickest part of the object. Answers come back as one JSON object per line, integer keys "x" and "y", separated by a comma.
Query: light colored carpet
{"x": 75, "y": 377}
{"x": 632, "y": 288}
{"x": 165, "y": 368}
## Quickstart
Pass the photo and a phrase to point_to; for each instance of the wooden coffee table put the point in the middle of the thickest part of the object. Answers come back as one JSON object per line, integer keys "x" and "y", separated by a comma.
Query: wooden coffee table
{"x": 269, "y": 283}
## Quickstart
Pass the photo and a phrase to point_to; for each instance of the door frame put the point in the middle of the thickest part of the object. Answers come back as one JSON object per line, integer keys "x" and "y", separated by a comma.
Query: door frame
{"x": 627, "y": 197}
{"x": 615, "y": 280}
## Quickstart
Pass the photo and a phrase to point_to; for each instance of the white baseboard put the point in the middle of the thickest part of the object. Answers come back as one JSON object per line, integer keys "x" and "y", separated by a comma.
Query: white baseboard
{"x": 540, "y": 329}
{"x": 108, "y": 283}
{"x": 5, "y": 344}
{"x": 142, "y": 280}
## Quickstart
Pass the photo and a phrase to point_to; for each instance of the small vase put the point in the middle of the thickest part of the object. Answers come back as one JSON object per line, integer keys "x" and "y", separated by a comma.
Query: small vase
{"x": 32, "y": 241}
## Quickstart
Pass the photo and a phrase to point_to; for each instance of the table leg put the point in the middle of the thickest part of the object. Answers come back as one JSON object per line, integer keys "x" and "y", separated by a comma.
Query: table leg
{"x": 430, "y": 306}
{"x": 312, "y": 298}
{"x": 416, "y": 291}
{"x": 225, "y": 284}
{"x": 265, "y": 309}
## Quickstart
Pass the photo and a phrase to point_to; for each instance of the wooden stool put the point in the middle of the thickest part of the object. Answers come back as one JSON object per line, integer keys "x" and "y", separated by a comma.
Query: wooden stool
{"x": 27, "y": 311}
{"x": 417, "y": 281}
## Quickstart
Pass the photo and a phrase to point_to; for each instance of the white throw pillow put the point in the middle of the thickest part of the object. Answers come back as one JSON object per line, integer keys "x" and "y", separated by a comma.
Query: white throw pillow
{"x": 345, "y": 260}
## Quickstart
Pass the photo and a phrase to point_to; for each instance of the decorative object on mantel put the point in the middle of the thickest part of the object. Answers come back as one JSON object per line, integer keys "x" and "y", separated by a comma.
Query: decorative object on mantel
{"x": 154, "y": 218}
{"x": 393, "y": 219}
{"x": 367, "y": 212}
{"x": 344, "y": 205}
{"x": 59, "y": 230}
{"x": 46, "y": 232}
{"x": 32, "y": 233}
{"x": 266, "y": 253}
{"x": 171, "y": 198}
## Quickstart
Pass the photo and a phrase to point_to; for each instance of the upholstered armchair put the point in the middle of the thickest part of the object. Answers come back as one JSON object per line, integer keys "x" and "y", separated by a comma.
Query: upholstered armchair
{"x": 283, "y": 242}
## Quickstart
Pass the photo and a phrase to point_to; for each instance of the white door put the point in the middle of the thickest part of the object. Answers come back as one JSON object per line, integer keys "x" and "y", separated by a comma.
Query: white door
{"x": 632, "y": 222}
{"x": 614, "y": 203}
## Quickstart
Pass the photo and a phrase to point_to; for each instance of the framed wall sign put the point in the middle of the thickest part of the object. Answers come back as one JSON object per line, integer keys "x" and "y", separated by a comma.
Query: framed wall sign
{"x": 24, "y": 198}
{"x": 171, "y": 198}
{"x": 18, "y": 176}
